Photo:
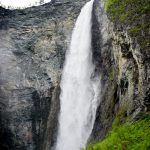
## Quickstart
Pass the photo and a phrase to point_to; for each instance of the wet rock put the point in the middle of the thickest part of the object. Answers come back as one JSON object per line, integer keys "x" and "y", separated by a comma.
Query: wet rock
{"x": 124, "y": 70}
{"x": 33, "y": 43}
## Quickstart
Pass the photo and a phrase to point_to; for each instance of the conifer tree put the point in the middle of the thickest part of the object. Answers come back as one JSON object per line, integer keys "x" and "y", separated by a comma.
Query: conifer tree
{"x": 41, "y": 2}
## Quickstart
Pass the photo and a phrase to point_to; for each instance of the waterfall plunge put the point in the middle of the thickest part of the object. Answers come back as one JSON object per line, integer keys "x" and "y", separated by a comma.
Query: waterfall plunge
{"x": 79, "y": 87}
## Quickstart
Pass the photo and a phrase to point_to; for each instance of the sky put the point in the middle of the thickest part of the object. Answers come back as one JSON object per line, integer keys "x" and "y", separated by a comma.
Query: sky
{"x": 20, "y": 3}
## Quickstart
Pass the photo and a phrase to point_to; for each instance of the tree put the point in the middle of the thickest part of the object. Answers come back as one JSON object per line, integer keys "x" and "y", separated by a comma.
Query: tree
{"x": 41, "y": 2}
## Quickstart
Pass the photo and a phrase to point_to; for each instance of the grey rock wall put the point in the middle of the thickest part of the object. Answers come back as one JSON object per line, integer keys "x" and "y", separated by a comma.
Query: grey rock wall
{"x": 125, "y": 72}
{"x": 33, "y": 42}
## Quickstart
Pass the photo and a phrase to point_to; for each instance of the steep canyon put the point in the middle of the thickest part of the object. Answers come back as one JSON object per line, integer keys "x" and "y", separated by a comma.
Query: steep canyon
{"x": 33, "y": 42}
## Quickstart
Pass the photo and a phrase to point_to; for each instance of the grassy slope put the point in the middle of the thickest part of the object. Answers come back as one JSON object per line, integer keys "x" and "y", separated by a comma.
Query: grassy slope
{"x": 127, "y": 136}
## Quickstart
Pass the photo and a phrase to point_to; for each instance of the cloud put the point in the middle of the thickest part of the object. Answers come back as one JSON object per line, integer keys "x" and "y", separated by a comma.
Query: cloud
{"x": 21, "y": 3}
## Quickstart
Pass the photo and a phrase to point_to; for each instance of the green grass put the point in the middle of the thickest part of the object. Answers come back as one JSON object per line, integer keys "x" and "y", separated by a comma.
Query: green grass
{"x": 127, "y": 136}
{"x": 134, "y": 14}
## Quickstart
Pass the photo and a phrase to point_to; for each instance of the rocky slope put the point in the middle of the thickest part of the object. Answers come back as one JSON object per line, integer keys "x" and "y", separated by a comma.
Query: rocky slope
{"x": 32, "y": 46}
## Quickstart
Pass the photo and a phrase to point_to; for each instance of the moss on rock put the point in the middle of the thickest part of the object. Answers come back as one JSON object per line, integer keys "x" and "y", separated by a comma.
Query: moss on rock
{"x": 134, "y": 14}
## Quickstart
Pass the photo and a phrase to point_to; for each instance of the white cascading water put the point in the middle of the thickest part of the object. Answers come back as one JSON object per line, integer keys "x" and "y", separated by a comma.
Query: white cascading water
{"x": 79, "y": 87}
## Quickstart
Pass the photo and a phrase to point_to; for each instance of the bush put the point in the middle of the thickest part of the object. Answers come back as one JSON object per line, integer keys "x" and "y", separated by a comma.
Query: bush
{"x": 134, "y": 14}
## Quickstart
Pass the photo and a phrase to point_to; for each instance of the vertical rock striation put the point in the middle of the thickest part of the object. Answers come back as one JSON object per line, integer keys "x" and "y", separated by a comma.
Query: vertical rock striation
{"x": 33, "y": 42}
{"x": 125, "y": 71}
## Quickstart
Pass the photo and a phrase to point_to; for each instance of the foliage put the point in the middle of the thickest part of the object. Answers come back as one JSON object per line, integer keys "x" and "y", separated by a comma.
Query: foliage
{"x": 127, "y": 136}
{"x": 134, "y": 14}
{"x": 111, "y": 74}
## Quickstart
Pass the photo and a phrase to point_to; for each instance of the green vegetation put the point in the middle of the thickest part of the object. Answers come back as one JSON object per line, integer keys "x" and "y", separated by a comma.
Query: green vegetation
{"x": 135, "y": 15}
{"x": 111, "y": 74}
{"x": 127, "y": 136}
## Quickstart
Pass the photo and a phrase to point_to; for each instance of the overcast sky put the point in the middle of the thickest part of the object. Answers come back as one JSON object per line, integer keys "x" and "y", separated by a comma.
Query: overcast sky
{"x": 20, "y": 3}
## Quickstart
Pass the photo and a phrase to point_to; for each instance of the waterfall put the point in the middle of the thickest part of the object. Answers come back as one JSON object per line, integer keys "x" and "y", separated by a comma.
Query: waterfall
{"x": 79, "y": 87}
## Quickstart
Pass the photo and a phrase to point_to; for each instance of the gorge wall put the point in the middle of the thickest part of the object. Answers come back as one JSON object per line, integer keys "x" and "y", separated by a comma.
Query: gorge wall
{"x": 33, "y": 42}
{"x": 32, "y": 46}
{"x": 124, "y": 65}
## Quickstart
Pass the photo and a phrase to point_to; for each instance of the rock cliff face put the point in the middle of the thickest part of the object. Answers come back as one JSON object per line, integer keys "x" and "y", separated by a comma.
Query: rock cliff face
{"x": 32, "y": 52}
{"x": 125, "y": 72}
{"x": 32, "y": 46}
